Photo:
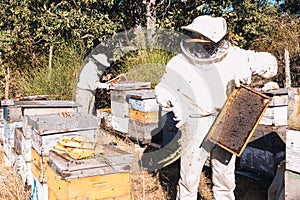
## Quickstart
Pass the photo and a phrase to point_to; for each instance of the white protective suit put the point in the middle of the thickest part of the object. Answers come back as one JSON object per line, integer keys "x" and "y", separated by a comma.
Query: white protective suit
{"x": 89, "y": 81}
{"x": 196, "y": 88}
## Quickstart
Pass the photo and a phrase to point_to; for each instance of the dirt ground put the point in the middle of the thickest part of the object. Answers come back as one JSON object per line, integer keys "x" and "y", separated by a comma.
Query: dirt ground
{"x": 160, "y": 184}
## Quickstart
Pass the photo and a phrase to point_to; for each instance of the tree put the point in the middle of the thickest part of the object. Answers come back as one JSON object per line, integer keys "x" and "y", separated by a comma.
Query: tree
{"x": 32, "y": 30}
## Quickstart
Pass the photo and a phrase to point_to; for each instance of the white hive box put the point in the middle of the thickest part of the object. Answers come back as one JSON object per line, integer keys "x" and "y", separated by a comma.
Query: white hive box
{"x": 277, "y": 111}
{"x": 119, "y": 102}
{"x": 144, "y": 116}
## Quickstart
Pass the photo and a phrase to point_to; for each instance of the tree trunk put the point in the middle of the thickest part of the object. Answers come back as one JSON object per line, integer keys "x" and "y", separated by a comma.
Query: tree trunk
{"x": 7, "y": 83}
{"x": 50, "y": 61}
{"x": 287, "y": 69}
{"x": 151, "y": 19}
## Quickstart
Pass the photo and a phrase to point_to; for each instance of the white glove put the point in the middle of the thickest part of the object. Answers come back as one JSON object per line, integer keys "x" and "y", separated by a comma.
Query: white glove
{"x": 270, "y": 86}
{"x": 103, "y": 85}
{"x": 265, "y": 65}
{"x": 242, "y": 75}
{"x": 164, "y": 97}
{"x": 177, "y": 114}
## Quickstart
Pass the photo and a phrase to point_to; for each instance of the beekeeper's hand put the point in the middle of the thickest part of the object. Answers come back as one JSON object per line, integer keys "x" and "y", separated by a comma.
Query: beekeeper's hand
{"x": 103, "y": 85}
{"x": 264, "y": 64}
{"x": 164, "y": 97}
{"x": 242, "y": 76}
{"x": 177, "y": 114}
{"x": 270, "y": 86}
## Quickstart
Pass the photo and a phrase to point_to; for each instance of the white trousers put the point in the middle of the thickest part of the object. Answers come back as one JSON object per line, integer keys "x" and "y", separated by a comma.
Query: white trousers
{"x": 87, "y": 99}
{"x": 194, "y": 155}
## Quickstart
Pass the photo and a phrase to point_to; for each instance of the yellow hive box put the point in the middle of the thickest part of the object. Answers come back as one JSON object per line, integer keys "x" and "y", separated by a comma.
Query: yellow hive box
{"x": 38, "y": 166}
{"x": 110, "y": 186}
{"x": 143, "y": 117}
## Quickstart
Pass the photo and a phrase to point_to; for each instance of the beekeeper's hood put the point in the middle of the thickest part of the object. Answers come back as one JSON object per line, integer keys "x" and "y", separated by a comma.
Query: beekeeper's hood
{"x": 102, "y": 59}
{"x": 210, "y": 45}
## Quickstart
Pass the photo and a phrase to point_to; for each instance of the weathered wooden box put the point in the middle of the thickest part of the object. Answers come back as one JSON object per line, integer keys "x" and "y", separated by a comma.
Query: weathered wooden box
{"x": 39, "y": 191}
{"x": 38, "y": 166}
{"x": 263, "y": 155}
{"x": 118, "y": 96}
{"x": 120, "y": 124}
{"x": 103, "y": 177}
{"x": 293, "y": 151}
{"x": 110, "y": 186}
{"x": 292, "y": 185}
{"x": 144, "y": 105}
{"x": 238, "y": 119}
{"x": 141, "y": 132}
{"x": 10, "y": 127}
{"x": 15, "y": 110}
{"x": 22, "y": 145}
{"x": 277, "y": 111}
{"x": 275, "y": 116}
{"x": 1, "y": 132}
{"x": 144, "y": 116}
{"x": 47, "y": 129}
{"x": 105, "y": 118}
{"x": 23, "y": 169}
{"x": 294, "y": 108}
{"x": 9, "y": 153}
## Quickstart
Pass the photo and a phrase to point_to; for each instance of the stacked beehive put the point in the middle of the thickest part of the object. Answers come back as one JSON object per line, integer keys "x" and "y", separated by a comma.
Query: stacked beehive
{"x": 17, "y": 138}
{"x": 292, "y": 173}
{"x": 144, "y": 115}
{"x": 267, "y": 148}
{"x": 45, "y": 131}
{"x": 119, "y": 103}
{"x": 101, "y": 176}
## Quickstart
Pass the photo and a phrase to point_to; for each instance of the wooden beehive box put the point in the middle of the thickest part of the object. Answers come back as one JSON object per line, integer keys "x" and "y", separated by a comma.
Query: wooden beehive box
{"x": 292, "y": 185}
{"x": 263, "y": 155}
{"x": 276, "y": 113}
{"x": 293, "y": 150}
{"x": 294, "y": 108}
{"x": 15, "y": 110}
{"x": 144, "y": 115}
{"x": 238, "y": 119}
{"x": 38, "y": 166}
{"x": 47, "y": 129}
{"x": 292, "y": 173}
{"x": 39, "y": 190}
{"x": 105, "y": 117}
{"x": 119, "y": 102}
{"x": 103, "y": 177}
{"x": 118, "y": 92}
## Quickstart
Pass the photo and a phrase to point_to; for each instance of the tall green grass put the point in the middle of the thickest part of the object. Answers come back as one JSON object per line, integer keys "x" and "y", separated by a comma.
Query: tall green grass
{"x": 144, "y": 65}
{"x": 59, "y": 80}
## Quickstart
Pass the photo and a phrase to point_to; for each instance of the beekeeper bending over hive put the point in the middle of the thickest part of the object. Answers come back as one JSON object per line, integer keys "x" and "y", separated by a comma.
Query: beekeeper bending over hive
{"x": 89, "y": 82}
{"x": 195, "y": 86}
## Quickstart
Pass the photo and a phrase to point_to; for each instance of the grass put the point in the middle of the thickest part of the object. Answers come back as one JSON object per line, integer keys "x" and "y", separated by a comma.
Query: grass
{"x": 11, "y": 185}
{"x": 59, "y": 80}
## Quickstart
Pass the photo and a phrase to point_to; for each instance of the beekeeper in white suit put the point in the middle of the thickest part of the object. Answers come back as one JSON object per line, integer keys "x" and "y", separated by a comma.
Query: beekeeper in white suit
{"x": 89, "y": 82}
{"x": 195, "y": 86}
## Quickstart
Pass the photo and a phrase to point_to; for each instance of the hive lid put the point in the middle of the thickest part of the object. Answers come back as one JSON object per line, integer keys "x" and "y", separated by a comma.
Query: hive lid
{"x": 112, "y": 160}
{"x": 141, "y": 94}
{"x": 130, "y": 85}
{"x": 41, "y": 104}
{"x": 62, "y": 122}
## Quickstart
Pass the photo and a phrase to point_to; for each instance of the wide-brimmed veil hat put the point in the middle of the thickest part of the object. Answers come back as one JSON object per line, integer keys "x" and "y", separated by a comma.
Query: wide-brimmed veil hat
{"x": 214, "y": 28}
{"x": 102, "y": 59}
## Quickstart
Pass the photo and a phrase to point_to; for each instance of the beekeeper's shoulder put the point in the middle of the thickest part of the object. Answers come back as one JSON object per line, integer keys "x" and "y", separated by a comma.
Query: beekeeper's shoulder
{"x": 178, "y": 61}
{"x": 239, "y": 53}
